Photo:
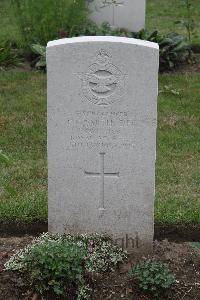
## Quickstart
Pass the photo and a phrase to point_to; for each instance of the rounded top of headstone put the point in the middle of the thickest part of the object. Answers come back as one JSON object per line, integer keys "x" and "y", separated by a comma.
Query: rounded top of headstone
{"x": 111, "y": 39}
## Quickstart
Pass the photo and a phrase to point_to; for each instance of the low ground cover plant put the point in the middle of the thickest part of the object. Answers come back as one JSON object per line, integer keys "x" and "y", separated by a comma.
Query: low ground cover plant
{"x": 152, "y": 277}
{"x": 61, "y": 264}
{"x": 174, "y": 48}
{"x": 40, "y": 52}
{"x": 8, "y": 55}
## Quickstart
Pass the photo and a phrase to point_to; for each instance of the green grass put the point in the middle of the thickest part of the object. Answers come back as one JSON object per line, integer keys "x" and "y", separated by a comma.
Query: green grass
{"x": 23, "y": 182}
{"x": 8, "y": 26}
{"x": 162, "y": 15}
{"x": 23, "y": 139}
{"x": 178, "y": 151}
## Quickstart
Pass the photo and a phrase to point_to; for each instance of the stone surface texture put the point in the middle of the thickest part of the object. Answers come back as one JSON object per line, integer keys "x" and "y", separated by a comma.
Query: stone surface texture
{"x": 102, "y": 118}
{"x": 129, "y": 14}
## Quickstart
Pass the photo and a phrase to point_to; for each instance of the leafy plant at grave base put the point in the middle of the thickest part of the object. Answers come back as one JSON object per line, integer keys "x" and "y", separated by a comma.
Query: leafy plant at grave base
{"x": 104, "y": 256}
{"x": 41, "y": 21}
{"x": 8, "y": 55}
{"x": 152, "y": 276}
{"x": 41, "y": 52}
{"x": 52, "y": 265}
{"x": 59, "y": 263}
{"x": 174, "y": 47}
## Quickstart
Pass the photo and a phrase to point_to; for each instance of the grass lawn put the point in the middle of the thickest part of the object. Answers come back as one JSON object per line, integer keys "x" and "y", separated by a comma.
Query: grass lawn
{"x": 23, "y": 183}
{"x": 161, "y": 15}
{"x": 8, "y": 25}
{"x": 23, "y": 138}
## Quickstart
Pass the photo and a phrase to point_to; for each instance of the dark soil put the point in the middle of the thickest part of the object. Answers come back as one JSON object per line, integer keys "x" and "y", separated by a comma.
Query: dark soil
{"x": 174, "y": 233}
{"x": 19, "y": 228}
{"x": 187, "y": 68}
{"x": 177, "y": 233}
{"x": 182, "y": 258}
{"x": 183, "y": 67}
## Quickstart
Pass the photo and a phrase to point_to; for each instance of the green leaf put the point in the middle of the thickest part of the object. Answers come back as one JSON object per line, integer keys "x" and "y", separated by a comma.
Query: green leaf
{"x": 4, "y": 158}
{"x": 195, "y": 245}
{"x": 38, "y": 49}
{"x": 41, "y": 63}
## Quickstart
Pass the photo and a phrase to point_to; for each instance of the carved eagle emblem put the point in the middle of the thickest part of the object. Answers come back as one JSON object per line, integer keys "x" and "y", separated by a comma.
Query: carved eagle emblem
{"x": 103, "y": 83}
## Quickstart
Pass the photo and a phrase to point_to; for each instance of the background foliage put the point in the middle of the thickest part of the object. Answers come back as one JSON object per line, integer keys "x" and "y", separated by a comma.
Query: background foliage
{"x": 42, "y": 21}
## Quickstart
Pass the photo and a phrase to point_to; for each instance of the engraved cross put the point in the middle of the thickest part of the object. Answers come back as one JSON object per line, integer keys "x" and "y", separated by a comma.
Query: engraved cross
{"x": 102, "y": 174}
{"x": 115, "y": 4}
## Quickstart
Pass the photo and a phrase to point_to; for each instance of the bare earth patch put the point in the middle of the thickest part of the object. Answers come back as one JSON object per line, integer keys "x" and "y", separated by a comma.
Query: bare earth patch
{"x": 183, "y": 260}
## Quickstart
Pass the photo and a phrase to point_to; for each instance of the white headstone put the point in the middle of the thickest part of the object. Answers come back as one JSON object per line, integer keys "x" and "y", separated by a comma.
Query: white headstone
{"x": 102, "y": 95}
{"x": 129, "y": 14}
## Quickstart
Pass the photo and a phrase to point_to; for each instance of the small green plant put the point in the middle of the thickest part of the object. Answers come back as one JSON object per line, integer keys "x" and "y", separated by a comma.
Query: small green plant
{"x": 4, "y": 158}
{"x": 52, "y": 264}
{"x": 152, "y": 276}
{"x": 41, "y": 52}
{"x": 168, "y": 89}
{"x": 188, "y": 22}
{"x": 8, "y": 56}
{"x": 174, "y": 48}
{"x": 195, "y": 245}
{"x": 59, "y": 263}
{"x": 104, "y": 256}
